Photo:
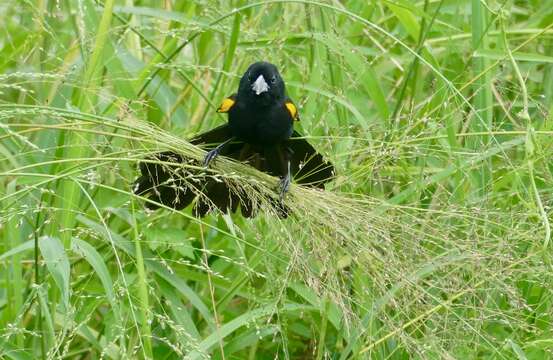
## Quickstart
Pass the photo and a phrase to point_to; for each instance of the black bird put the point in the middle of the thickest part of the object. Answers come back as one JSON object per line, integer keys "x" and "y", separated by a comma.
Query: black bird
{"x": 259, "y": 132}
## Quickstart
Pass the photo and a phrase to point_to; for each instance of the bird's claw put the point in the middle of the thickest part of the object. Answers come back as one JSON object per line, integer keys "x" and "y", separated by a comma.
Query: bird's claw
{"x": 210, "y": 156}
{"x": 284, "y": 187}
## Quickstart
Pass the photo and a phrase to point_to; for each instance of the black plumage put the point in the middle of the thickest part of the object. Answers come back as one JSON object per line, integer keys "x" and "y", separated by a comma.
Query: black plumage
{"x": 259, "y": 132}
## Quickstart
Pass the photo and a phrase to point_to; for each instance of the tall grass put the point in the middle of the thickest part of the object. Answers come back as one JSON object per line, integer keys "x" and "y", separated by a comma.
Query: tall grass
{"x": 433, "y": 240}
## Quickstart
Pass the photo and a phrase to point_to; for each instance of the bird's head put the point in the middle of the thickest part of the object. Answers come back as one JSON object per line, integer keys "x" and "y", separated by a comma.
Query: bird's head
{"x": 262, "y": 84}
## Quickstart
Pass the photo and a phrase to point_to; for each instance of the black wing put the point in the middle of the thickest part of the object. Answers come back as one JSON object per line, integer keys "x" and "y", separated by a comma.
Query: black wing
{"x": 308, "y": 167}
{"x": 166, "y": 181}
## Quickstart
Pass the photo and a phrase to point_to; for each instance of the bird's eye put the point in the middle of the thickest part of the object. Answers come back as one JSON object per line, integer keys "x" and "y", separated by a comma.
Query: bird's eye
{"x": 273, "y": 79}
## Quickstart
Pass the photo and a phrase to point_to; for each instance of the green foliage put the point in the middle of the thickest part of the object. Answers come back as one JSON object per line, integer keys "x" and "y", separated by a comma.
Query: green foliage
{"x": 432, "y": 242}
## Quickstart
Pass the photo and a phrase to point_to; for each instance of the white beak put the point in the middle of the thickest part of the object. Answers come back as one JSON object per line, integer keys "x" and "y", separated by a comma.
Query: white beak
{"x": 260, "y": 85}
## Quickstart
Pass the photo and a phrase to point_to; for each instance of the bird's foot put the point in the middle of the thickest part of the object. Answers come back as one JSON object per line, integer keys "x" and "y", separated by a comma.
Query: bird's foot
{"x": 210, "y": 156}
{"x": 284, "y": 186}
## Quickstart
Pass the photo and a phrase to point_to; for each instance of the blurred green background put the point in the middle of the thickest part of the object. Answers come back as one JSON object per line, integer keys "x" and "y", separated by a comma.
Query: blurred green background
{"x": 432, "y": 242}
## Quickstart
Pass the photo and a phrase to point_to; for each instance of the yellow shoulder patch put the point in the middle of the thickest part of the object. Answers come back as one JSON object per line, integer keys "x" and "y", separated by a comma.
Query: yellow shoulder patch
{"x": 293, "y": 110}
{"x": 226, "y": 105}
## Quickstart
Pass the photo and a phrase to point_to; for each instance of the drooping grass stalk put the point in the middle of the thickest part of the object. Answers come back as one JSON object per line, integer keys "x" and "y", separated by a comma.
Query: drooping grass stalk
{"x": 524, "y": 115}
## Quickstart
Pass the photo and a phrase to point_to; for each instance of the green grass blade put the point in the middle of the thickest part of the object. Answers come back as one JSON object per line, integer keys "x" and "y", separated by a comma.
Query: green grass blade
{"x": 57, "y": 263}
